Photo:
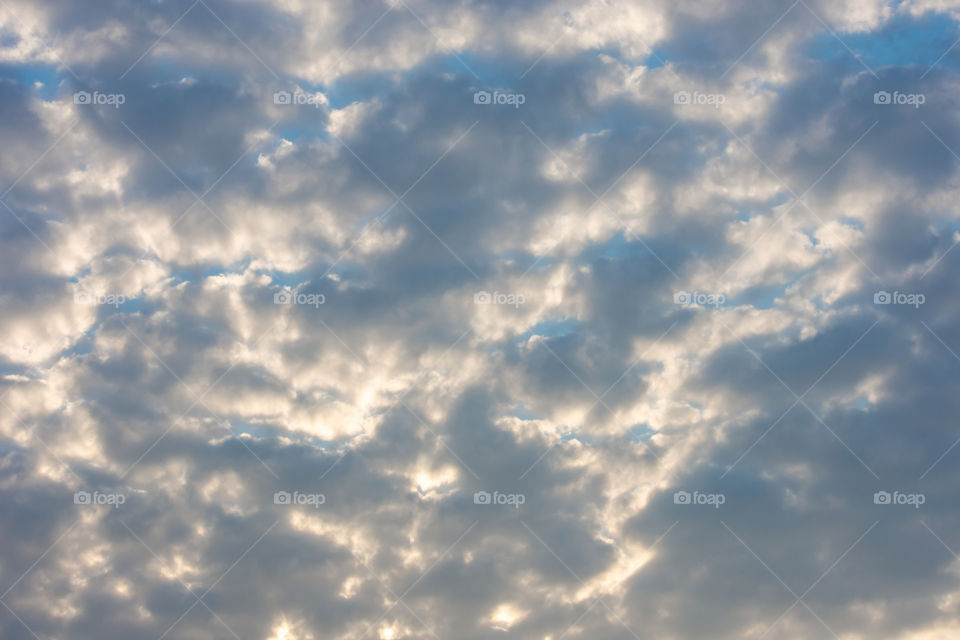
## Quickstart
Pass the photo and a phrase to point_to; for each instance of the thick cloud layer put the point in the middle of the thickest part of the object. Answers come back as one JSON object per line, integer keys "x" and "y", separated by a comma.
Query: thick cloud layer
{"x": 479, "y": 320}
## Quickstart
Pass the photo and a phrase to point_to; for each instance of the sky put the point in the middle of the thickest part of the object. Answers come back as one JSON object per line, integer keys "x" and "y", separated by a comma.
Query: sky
{"x": 479, "y": 319}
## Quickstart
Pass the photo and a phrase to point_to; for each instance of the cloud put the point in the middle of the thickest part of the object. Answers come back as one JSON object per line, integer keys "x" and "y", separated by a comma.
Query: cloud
{"x": 476, "y": 320}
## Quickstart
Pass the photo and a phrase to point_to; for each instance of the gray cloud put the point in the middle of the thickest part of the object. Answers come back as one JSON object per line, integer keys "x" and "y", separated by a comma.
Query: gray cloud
{"x": 454, "y": 334}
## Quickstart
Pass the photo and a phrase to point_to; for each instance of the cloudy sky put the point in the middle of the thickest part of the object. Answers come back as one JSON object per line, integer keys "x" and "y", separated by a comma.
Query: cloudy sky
{"x": 479, "y": 319}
